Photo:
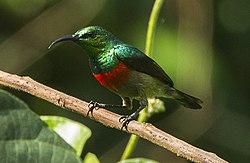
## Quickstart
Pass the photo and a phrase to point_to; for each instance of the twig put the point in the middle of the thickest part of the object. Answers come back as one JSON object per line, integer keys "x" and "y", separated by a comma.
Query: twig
{"x": 152, "y": 26}
{"x": 143, "y": 130}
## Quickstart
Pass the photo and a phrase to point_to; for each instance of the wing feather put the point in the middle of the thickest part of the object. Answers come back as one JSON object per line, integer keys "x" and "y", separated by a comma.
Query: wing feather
{"x": 137, "y": 60}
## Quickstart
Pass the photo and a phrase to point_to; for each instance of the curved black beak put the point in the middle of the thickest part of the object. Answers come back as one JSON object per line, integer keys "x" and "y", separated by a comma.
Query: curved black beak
{"x": 64, "y": 38}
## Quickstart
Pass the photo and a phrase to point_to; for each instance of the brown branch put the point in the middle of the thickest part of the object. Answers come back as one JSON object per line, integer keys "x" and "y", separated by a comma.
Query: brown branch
{"x": 143, "y": 130}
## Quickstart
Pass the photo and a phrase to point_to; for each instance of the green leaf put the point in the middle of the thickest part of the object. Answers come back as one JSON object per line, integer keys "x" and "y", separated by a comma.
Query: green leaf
{"x": 138, "y": 160}
{"x": 74, "y": 133}
{"x": 91, "y": 158}
{"x": 25, "y": 138}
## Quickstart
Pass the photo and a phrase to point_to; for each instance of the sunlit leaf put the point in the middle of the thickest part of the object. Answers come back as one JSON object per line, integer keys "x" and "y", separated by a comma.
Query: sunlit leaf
{"x": 74, "y": 133}
{"x": 138, "y": 160}
{"x": 91, "y": 158}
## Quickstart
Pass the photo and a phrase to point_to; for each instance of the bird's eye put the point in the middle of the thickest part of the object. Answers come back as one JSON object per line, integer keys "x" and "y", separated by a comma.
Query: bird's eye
{"x": 89, "y": 35}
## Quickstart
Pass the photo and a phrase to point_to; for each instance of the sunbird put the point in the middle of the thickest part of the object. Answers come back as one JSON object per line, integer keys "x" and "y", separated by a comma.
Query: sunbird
{"x": 125, "y": 71}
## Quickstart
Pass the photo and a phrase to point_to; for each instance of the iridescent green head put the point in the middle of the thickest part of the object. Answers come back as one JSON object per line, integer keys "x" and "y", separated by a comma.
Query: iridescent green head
{"x": 93, "y": 39}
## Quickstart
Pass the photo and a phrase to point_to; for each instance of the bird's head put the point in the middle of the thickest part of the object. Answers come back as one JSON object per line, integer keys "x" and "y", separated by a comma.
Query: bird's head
{"x": 93, "y": 39}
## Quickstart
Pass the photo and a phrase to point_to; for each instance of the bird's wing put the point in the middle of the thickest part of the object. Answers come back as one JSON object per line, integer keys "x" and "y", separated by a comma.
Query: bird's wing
{"x": 137, "y": 60}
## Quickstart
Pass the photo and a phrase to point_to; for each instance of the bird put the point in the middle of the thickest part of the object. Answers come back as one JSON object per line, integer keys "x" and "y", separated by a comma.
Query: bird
{"x": 126, "y": 71}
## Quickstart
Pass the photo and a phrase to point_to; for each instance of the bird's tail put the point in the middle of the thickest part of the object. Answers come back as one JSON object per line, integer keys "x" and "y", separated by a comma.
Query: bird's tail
{"x": 185, "y": 99}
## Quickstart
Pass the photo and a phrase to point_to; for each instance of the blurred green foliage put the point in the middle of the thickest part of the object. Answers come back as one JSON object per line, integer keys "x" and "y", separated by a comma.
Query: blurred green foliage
{"x": 202, "y": 45}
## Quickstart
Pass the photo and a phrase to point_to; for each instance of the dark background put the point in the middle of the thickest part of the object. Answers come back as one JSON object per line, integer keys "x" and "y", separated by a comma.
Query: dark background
{"x": 202, "y": 45}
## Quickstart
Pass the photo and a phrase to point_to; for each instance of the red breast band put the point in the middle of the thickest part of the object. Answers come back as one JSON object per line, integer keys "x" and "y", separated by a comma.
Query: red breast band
{"x": 115, "y": 77}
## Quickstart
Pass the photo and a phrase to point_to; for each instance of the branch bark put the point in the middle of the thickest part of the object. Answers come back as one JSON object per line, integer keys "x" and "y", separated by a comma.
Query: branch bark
{"x": 107, "y": 118}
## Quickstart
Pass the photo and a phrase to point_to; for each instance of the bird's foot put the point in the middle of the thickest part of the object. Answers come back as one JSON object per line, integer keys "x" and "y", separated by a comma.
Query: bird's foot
{"x": 93, "y": 105}
{"x": 125, "y": 119}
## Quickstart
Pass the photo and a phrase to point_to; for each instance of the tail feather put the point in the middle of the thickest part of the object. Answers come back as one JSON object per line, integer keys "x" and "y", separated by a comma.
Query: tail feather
{"x": 186, "y": 100}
